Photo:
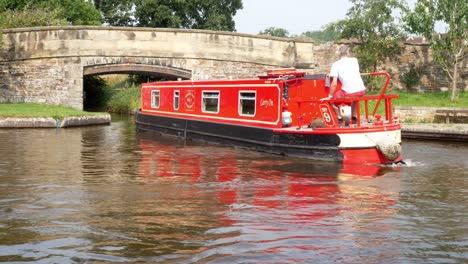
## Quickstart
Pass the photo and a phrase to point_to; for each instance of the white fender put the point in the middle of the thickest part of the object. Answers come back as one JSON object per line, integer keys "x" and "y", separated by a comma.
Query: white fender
{"x": 389, "y": 147}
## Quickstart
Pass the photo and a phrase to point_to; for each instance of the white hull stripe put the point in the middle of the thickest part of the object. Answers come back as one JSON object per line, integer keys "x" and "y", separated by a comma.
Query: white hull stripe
{"x": 360, "y": 140}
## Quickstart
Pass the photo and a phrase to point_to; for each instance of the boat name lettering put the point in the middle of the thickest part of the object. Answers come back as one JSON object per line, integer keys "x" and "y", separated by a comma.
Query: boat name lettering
{"x": 266, "y": 103}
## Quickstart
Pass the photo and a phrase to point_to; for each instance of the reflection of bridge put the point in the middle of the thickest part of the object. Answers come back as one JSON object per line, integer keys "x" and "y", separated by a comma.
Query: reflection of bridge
{"x": 48, "y": 64}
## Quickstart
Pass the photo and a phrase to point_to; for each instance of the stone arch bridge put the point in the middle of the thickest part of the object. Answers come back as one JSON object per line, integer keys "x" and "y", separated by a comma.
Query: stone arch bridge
{"x": 47, "y": 64}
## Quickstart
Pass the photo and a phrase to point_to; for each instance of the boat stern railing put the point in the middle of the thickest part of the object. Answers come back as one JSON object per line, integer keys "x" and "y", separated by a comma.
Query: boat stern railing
{"x": 386, "y": 99}
{"x": 387, "y": 117}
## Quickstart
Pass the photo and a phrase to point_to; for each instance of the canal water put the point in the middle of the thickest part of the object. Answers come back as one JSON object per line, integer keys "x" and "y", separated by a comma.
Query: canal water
{"x": 106, "y": 194}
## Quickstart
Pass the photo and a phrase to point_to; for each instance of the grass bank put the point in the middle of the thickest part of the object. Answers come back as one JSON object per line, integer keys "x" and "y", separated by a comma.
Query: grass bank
{"x": 440, "y": 99}
{"x": 41, "y": 110}
{"x": 115, "y": 93}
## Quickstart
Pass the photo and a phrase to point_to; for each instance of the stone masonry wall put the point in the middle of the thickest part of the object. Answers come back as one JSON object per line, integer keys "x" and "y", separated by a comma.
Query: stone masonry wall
{"x": 51, "y": 81}
{"x": 414, "y": 114}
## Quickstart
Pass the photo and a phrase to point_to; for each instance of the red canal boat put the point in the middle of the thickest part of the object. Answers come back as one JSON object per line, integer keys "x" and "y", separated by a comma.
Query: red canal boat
{"x": 281, "y": 112}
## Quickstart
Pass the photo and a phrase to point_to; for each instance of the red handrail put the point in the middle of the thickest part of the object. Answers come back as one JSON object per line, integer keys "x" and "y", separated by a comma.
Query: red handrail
{"x": 388, "y": 98}
{"x": 384, "y": 88}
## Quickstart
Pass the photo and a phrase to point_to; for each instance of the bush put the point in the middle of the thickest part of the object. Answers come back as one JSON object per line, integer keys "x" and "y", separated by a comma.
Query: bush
{"x": 411, "y": 77}
{"x": 125, "y": 101}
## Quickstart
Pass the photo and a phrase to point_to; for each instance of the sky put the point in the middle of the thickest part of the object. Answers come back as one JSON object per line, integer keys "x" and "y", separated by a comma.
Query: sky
{"x": 296, "y": 16}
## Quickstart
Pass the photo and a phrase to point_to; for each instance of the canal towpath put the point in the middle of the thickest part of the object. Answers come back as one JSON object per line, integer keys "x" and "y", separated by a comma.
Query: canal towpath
{"x": 49, "y": 122}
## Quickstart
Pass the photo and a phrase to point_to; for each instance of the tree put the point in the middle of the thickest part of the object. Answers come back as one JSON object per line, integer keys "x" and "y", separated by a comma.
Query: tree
{"x": 12, "y": 4}
{"x": 193, "y": 14}
{"x": 116, "y": 12}
{"x": 275, "y": 32}
{"x": 328, "y": 33}
{"x": 35, "y": 13}
{"x": 77, "y": 12}
{"x": 159, "y": 13}
{"x": 30, "y": 18}
{"x": 374, "y": 25}
{"x": 450, "y": 48}
{"x": 212, "y": 14}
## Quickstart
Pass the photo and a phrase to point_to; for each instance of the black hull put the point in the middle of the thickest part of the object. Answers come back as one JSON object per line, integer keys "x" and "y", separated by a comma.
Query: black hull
{"x": 319, "y": 147}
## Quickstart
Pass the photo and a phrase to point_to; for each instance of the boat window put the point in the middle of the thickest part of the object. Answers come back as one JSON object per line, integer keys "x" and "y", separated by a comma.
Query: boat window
{"x": 210, "y": 102}
{"x": 247, "y": 102}
{"x": 155, "y": 99}
{"x": 176, "y": 100}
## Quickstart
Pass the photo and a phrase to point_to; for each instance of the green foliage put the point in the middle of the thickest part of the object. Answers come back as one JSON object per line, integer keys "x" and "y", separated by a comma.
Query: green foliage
{"x": 76, "y": 12}
{"x": 422, "y": 19}
{"x": 40, "y": 110}
{"x": 96, "y": 92}
{"x": 165, "y": 13}
{"x": 449, "y": 49}
{"x": 13, "y": 4}
{"x": 275, "y": 32}
{"x": 439, "y": 99}
{"x": 32, "y": 18}
{"x": 114, "y": 93}
{"x": 373, "y": 23}
{"x": 126, "y": 101}
{"x": 374, "y": 84}
{"x": 137, "y": 79}
{"x": 329, "y": 33}
{"x": 35, "y": 13}
{"x": 116, "y": 12}
{"x": 411, "y": 78}
{"x": 194, "y": 14}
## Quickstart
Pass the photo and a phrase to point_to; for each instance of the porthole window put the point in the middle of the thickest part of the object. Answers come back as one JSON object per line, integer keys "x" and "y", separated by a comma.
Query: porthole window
{"x": 176, "y": 100}
{"x": 247, "y": 102}
{"x": 155, "y": 99}
{"x": 210, "y": 102}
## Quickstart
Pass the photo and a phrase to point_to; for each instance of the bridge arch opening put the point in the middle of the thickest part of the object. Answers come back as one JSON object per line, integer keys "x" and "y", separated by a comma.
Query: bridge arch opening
{"x": 101, "y": 82}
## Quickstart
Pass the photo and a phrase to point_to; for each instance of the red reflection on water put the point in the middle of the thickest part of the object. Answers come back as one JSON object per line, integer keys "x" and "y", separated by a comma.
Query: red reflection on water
{"x": 278, "y": 200}
{"x": 227, "y": 170}
{"x": 271, "y": 183}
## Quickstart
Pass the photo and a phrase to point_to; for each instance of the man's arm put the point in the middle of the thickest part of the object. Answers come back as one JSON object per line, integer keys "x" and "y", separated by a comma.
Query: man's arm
{"x": 333, "y": 86}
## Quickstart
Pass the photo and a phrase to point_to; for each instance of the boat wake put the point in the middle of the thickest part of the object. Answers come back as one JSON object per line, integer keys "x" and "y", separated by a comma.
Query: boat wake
{"x": 409, "y": 163}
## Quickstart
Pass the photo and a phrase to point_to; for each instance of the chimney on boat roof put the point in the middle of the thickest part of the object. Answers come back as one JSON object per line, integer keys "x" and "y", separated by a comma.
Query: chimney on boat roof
{"x": 282, "y": 72}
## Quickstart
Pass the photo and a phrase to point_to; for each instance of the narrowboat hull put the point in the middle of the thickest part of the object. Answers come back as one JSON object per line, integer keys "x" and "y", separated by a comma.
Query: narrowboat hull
{"x": 347, "y": 146}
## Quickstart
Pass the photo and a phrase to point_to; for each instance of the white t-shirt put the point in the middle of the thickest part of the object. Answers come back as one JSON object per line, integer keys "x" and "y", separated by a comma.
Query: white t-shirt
{"x": 347, "y": 71}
